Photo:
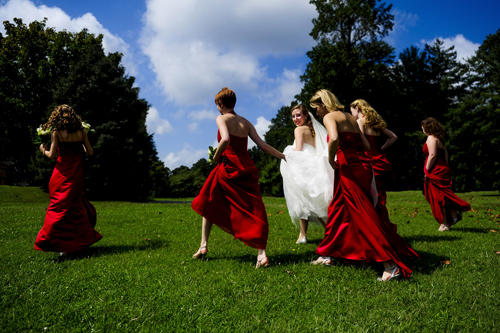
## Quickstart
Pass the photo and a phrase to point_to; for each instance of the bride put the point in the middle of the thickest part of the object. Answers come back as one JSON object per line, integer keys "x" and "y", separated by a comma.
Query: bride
{"x": 307, "y": 175}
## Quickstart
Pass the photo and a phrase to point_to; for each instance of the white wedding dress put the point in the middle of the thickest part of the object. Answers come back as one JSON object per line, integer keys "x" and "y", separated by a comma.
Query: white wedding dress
{"x": 308, "y": 178}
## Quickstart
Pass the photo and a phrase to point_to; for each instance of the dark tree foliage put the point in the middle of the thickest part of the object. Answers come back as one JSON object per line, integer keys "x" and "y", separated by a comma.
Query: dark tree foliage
{"x": 426, "y": 85}
{"x": 279, "y": 135}
{"x": 186, "y": 182}
{"x": 350, "y": 59}
{"x": 474, "y": 124}
{"x": 40, "y": 69}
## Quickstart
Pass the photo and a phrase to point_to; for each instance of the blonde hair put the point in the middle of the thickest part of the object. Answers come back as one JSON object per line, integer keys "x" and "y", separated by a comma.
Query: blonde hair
{"x": 325, "y": 98}
{"x": 373, "y": 119}
{"x": 304, "y": 111}
{"x": 63, "y": 117}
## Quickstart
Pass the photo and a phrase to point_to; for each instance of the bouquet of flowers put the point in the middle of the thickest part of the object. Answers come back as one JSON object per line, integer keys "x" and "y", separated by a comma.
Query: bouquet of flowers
{"x": 211, "y": 154}
{"x": 86, "y": 127}
{"x": 42, "y": 135}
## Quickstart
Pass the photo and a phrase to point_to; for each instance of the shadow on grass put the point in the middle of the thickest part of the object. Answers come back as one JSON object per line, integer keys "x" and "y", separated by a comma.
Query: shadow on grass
{"x": 428, "y": 263}
{"x": 473, "y": 230}
{"x": 99, "y": 251}
{"x": 490, "y": 195}
{"x": 431, "y": 239}
{"x": 169, "y": 202}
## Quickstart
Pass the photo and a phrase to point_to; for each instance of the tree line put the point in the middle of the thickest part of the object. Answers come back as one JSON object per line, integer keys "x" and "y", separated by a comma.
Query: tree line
{"x": 352, "y": 60}
{"x": 41, "y": 68}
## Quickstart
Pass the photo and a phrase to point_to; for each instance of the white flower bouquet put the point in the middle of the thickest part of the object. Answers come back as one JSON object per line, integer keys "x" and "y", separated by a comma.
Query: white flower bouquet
{"x": 211, "y": 153}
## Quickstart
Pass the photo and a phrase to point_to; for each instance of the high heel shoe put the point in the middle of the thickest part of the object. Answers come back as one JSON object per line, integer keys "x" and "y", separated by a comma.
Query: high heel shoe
{"x": 326, "y": 261}
{"x": 443, "y": 227}
{"x": 457, "y": 218}
{"x": 264, "y": 262}
{"x": 302, "y": 241}
{"x": 202, "y": 252}
{"x": 393, "y": 274}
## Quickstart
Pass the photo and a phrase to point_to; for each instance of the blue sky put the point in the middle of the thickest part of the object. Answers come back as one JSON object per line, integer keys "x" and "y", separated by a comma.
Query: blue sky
{"x": 183, "y": 52}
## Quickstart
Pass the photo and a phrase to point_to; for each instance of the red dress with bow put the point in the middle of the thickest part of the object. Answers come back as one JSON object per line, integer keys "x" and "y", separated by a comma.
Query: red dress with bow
{"x": 437, "y": 188}
{"x": 71, "y": 218}
{"x": 354, "y": 230}
{"x": 230, "y": 197}
{"x": 382, "y": 169}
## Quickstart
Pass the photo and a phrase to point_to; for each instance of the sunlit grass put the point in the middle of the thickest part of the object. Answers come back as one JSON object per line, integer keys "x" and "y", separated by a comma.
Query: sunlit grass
{"x": 140, "y": 277}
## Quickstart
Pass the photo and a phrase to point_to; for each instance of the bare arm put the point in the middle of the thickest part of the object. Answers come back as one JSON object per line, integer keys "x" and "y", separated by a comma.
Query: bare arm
{"x": 224, "y": 141}
{"x": 262, "y": 145}
{"x": 432, "y": 147}
{"x": 52, "y": 153}
{"x": 86, "y": 144}
{"x": 333, "y": 134}
{"x": 299, "y": 139}
{"x": 361, "y": 124}
{"x": 391, "y": 138}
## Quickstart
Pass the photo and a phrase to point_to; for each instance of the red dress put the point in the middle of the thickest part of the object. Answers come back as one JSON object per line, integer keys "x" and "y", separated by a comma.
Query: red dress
{"x": 437, "y": 188}
{"x": 70, "y": 219}
{"x": 382, "y": 169}
{"x": 354, "y": 230}
{"x": 230, "y": 197}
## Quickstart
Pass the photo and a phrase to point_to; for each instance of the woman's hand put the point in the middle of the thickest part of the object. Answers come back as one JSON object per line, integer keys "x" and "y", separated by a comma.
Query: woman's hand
{"x": 334, "y": 164}
{"x": 43, "y": 148}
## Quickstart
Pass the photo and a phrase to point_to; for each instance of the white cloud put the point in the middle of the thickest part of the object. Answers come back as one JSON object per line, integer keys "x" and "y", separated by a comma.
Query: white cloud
{"x": 187, "y": 156}
{"x": 202, "y": 115}
{"x": 58, "y": 19}
{"x": 402, "y": 21}
{"x": 156, "y": 124}
{"x": 289, "y": 85}
{"x": 196, "y": 48}
{"x": 261, "y": 127}
{"x": 464, "y": 47}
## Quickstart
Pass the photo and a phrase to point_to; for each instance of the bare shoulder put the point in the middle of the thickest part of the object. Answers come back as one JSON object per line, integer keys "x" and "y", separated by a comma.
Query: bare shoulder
{"x": 301, "y": 129}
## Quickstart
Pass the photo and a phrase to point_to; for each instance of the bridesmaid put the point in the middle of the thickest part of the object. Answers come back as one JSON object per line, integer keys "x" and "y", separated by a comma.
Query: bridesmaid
{"x": 230, "y": 197}
{"x": 380, "y": 138}
{"x": 446, "y": 207}
{"x": 354, "y": 230}
{"x": 307, "y": 175}
{"x": 70, "y": 219}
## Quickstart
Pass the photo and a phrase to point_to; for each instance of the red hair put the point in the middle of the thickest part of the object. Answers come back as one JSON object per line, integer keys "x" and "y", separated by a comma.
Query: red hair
{"x": 226, "y": 97}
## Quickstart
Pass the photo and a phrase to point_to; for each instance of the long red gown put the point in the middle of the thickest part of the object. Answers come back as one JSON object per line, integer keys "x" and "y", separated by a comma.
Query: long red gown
{"x": 437, "y": 188}
{"x": 354, "y": 230}
{"x": 230, "y": 197}
{"x": 71, "y": 218}
{"x": 382, "y": 169}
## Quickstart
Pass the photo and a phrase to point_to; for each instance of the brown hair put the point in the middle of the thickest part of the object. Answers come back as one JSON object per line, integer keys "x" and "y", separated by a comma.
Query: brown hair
{"x": 304, "y": 111}
{"x": 327, "y": 99}
{"x": 226, "y": 97}
{"x": 63, "y": 117}
{"x": 433, "y": 127}
{"x": 373, "y": 119}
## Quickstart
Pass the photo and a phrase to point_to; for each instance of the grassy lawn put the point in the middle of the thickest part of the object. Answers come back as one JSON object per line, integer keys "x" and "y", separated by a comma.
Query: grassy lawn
{"x": 140, "y": 277}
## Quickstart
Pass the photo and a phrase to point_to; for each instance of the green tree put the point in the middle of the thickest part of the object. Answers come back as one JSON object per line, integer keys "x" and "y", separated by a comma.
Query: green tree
{"x": 350, "y": 58}
{"x": 41, "y": 68}
{"x": 426, "y": 85}
{"x": 474, "y": 124}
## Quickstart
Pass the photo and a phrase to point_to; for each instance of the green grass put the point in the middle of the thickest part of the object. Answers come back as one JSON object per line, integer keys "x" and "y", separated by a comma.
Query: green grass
{"x": 140, "y": 277}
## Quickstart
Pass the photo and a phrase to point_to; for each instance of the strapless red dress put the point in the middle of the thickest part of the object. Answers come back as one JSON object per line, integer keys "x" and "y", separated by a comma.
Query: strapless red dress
{"x": 354, "y": 230}
{"x": 382, "y": 169}
{"x": 437, "y": 188}
{"x": 71, "y": 218}
{"x": 230, "y": 197}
